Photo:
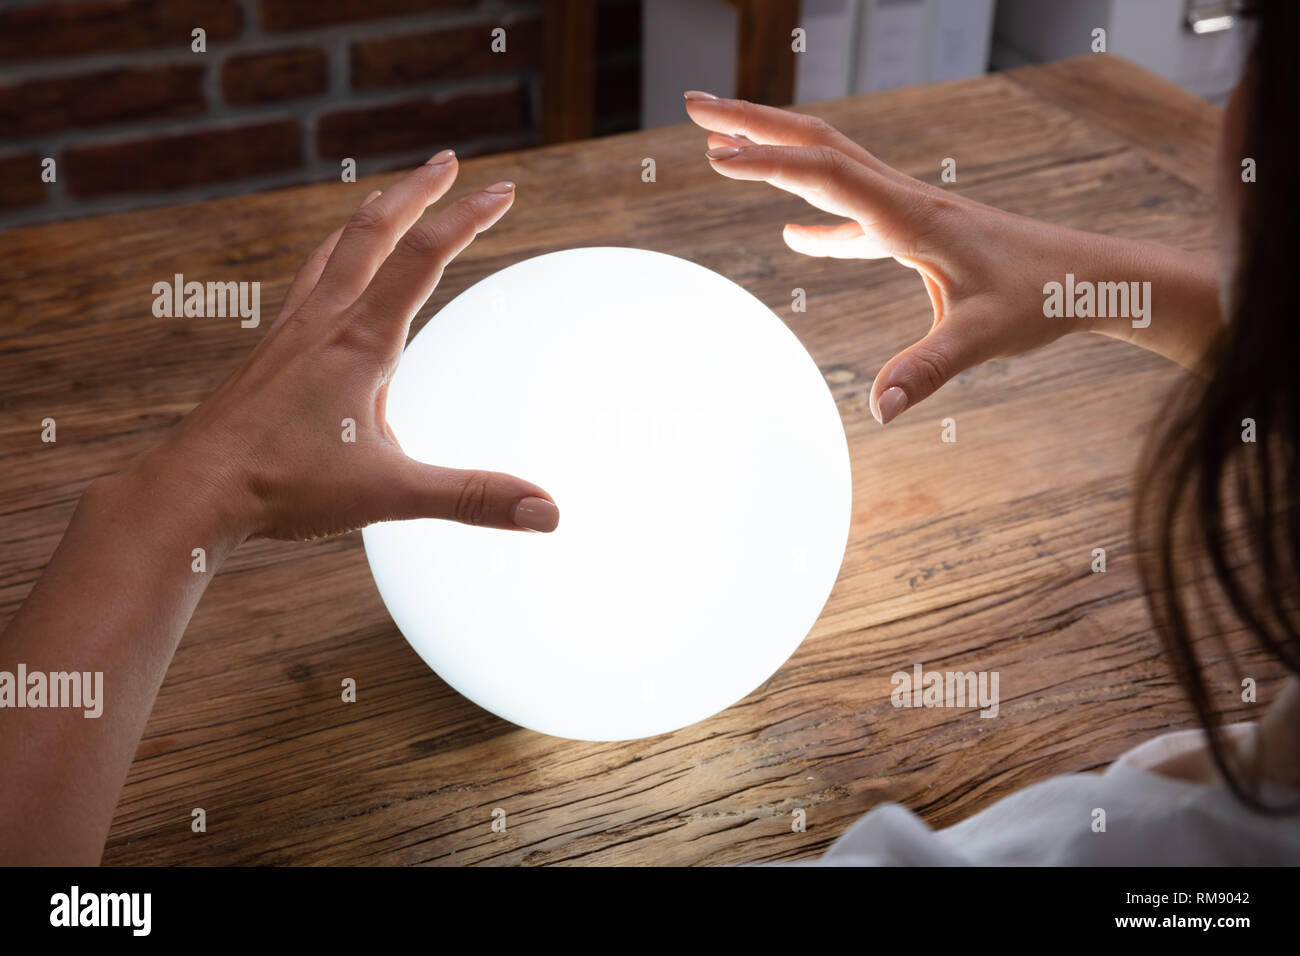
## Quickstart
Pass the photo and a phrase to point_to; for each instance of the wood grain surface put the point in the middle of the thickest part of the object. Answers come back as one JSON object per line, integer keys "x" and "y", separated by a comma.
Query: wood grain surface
{"x": 973, "y": 555}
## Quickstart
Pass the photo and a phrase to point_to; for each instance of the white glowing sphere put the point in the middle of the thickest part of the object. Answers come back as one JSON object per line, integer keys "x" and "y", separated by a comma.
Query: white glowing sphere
{"x": 700, "y": 468}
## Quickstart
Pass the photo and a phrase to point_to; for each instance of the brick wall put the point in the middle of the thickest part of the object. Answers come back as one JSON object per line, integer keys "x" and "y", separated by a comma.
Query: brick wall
{"x": 287, "y": 89}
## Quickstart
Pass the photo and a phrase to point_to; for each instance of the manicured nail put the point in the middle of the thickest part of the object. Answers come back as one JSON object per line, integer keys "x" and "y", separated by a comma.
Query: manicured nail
{"x": 372, "y": 197}
{"x": 446, "y": 156}
{"x": 699, "y": 95}
{"x": 891, "y": 402}
{"x": 536, "y": 514}
{"x": 722, "y": 152}
{"x": 733, "y": 140}
{"x": 501, "y": 189}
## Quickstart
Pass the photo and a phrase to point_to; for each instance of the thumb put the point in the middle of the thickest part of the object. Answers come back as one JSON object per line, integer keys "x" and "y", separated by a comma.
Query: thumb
{"x": 917, "y": 372}
{"x": 486, "y": 498}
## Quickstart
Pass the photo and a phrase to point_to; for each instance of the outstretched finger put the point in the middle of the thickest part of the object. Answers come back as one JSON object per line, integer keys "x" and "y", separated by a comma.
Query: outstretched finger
{"x": 406, "y": 280}
{"x": 768, "y": 125}
{"x": 826, "y": 178}
{"x": 374, "y": 230}
{"x": 309, "y": 274}
{"x": 723, "y": 139}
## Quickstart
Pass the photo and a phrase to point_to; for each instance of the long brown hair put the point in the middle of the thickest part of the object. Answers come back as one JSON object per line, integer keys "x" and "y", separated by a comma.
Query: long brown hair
{"x": 1207, "y": 497}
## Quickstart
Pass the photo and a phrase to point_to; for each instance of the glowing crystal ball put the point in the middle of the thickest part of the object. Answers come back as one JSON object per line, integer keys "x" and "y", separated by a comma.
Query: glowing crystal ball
{"x": 700, "y": 468}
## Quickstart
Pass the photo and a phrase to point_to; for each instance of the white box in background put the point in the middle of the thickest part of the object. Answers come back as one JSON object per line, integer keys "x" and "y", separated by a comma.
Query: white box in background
{"x": 1152, "y": 33}
{"x": 853, "y": 46}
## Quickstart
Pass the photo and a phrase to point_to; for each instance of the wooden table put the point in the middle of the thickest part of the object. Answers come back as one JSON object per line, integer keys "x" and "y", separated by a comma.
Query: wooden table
{"x": 967, "y": 556}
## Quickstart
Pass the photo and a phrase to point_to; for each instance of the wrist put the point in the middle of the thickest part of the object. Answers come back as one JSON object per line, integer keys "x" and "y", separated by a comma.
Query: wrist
{"x": 179, "y": 500}
{"x": 1083, "y": 268}
{"x": 1178, "y": 291}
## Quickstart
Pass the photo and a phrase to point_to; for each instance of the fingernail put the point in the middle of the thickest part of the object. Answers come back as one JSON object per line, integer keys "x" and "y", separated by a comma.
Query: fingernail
{"x": 372, "y": 197}
{"x": 722, "y": 152}
{"x": 733, "y": 140}
{"x": 699, "y": 95}
{"x": 501, "y": 189}
{"x": 891, "y": 402}
{"x": 446, "y": 156}
{"x": 536, "y": 514}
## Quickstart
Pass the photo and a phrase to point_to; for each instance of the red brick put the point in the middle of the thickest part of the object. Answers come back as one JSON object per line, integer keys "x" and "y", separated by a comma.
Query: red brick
{"x": 300, "y": 14}
{"x": 444, "y": 54}
{"x": 421, "y": 123}
{"x": 252, "y": 78}
{"x": 20, "y": 180}
{"x": 93, "y": 99}
{"x": 186, "y": 159}
{"x": 42, "y": 31}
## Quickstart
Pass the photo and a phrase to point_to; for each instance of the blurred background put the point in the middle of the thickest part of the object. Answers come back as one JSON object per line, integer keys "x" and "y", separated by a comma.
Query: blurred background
{"x": 286, "y": 90}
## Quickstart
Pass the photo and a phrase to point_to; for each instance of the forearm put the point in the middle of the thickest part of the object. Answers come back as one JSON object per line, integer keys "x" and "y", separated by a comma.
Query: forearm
{"x": 1173, "y": 298}
{"x": 293, "y": 446}
{"x": 114, "y": 599}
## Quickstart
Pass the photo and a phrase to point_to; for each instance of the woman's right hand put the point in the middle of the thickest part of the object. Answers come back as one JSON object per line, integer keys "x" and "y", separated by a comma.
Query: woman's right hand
{"x": 983, "y": 268}
{"x": 267, "y": 453}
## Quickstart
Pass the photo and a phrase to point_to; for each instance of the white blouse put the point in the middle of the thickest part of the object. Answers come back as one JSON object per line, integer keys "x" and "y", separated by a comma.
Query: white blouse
{"x": 1148, "y": 819}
